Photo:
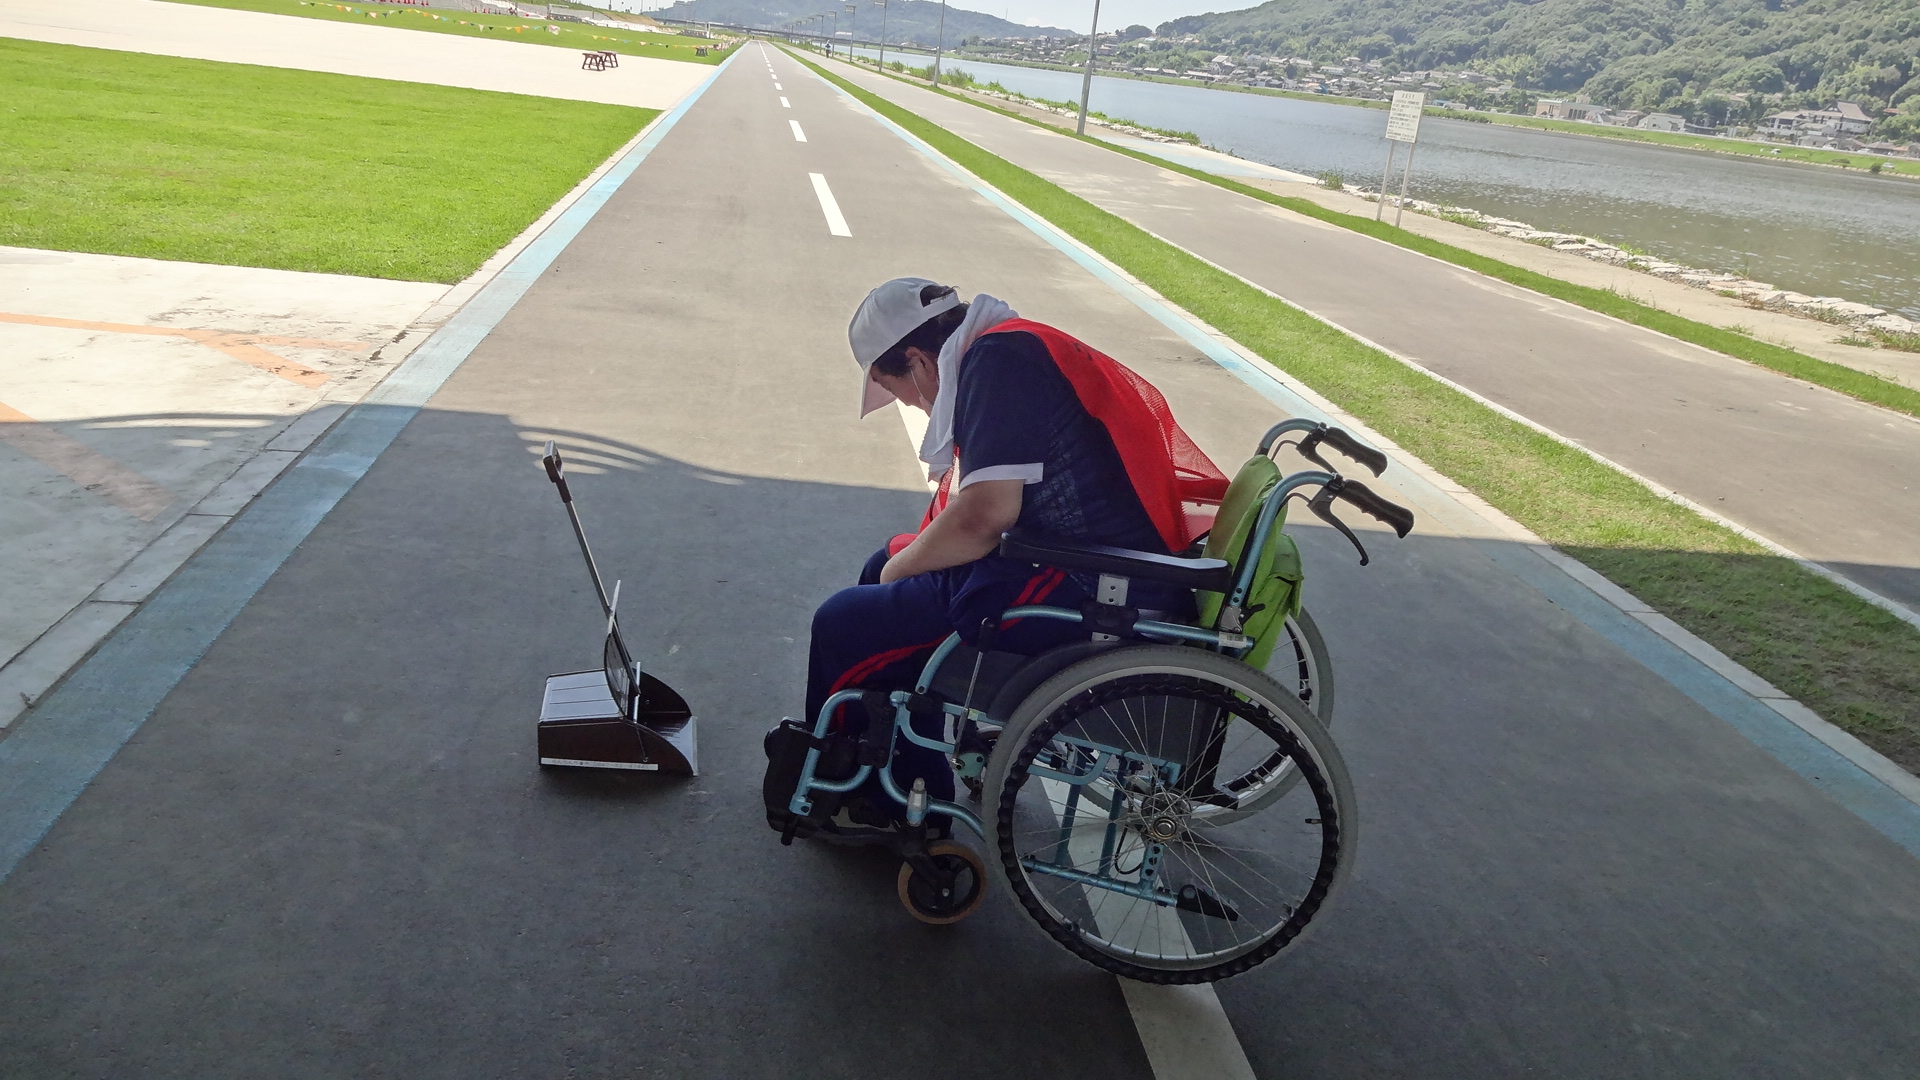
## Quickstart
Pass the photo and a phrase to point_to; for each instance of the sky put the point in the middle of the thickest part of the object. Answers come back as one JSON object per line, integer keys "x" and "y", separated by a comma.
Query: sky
{"x": 1066, "y": 14}
{"x": 1114, "y": 14}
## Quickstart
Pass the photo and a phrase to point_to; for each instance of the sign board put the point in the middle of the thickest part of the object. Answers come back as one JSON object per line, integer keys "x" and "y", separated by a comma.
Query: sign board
{"x": 1403, "y": 123}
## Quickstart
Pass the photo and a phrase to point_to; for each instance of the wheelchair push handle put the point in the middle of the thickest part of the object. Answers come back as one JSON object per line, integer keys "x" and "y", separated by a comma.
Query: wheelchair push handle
{"x": 1396, "y": 517}
{"x": 1314, "y": 434}
{"x": 1373, "y": 460}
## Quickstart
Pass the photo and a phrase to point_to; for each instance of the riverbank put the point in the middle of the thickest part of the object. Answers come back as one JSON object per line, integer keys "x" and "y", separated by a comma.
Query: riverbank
{"x": 1870, "y": 327}
{"x": 1819, "y": 327}
{"x": 1894, "y": 167}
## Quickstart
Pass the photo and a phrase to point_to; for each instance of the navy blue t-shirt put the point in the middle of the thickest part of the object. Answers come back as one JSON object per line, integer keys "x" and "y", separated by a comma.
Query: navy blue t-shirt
{"x": 1016, "y": 417}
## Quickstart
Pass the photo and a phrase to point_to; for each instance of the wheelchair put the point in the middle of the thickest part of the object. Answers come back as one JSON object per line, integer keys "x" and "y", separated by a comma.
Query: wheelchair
{"x": 1159, "y": 802}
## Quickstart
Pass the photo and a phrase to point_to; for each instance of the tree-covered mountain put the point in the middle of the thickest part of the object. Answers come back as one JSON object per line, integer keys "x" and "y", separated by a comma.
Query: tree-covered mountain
{"x": 1669, "y": 55}
{"x": 909, "y": 21}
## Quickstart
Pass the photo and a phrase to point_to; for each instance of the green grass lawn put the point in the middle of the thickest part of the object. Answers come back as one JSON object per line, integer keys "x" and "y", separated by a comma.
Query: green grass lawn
{"x": 128, "y": 154}
{"x": 566, "y": 35}
{"x": 1855, "y": 664}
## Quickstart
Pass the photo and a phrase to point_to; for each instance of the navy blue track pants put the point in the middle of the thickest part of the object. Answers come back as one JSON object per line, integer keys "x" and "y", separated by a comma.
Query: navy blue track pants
{"x": 874, "y": 636}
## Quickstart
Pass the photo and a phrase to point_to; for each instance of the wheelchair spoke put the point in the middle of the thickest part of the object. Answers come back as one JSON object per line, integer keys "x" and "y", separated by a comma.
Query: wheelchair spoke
{"x": 1141, "y": 865}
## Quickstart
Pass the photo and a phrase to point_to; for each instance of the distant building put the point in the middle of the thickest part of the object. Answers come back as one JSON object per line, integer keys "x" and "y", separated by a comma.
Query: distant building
{"x": 1662, "y": 121}
{"x": 1842, "y": 118}
{"x": 1570, "y": 110}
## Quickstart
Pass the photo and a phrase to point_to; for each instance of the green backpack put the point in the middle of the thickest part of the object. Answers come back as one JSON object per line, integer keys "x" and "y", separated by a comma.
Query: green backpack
{"x": 1276, "y": 579}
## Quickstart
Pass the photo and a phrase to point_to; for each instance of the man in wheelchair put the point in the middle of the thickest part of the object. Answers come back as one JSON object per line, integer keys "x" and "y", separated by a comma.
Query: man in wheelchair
{"x": 1029, "y": 431}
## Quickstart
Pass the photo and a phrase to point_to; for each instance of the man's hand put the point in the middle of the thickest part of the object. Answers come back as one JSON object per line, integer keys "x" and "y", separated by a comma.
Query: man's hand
{"x": 968, "y": 528}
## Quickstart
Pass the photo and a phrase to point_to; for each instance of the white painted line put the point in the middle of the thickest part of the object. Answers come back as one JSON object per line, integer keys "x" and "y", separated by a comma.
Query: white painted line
{"x": 836, "y": 223}
{"x": 798, "y": 135}
{"x": 1185, "y": 1032}
{"x": 784, "y": 105}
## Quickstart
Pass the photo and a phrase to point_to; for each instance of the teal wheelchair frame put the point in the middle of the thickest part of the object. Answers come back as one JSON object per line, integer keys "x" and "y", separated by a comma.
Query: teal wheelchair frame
{"x": 1133, "y": 801}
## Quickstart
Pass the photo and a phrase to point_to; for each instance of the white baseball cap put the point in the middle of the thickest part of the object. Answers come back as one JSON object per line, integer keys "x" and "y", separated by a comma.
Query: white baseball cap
{"x": 888, "y": 314}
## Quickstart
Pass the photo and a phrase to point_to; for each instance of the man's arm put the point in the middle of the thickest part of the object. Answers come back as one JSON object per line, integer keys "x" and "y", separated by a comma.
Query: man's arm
{"x": 968, "y": 528}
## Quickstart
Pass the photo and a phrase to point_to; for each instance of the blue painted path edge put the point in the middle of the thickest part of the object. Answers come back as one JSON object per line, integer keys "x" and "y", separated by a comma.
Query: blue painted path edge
{"x": 71, "y": 734}
{"x": 1846, "y": 783}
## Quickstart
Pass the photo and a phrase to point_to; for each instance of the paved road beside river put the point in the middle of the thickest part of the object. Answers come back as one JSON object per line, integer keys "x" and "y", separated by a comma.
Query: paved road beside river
{"x": 329, "y": 851}
{"x": 1827, "y": 476}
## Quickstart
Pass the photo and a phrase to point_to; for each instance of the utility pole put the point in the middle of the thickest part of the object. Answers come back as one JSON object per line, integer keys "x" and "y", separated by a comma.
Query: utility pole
{"x": 1086, "y": 84}
{"x": 882, "y": 64}
{"x": 939, "y": 43}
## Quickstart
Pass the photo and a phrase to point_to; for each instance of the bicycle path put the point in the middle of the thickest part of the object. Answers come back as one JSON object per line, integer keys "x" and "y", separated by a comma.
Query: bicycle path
{"x": 329, "y": 850}
{"x": 1829, "y": 477}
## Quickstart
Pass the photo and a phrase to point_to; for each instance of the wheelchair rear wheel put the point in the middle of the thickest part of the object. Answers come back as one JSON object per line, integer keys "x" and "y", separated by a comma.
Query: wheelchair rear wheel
{"x": 1106, "y": 805}
{"x": 1300, "y": 664}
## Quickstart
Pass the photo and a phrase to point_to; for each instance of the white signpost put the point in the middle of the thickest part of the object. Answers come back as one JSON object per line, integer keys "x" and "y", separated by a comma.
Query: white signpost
{"x": 1403, "y": 126}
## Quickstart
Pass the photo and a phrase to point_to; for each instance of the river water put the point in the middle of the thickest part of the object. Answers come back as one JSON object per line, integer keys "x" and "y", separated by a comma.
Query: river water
{"x": 1811, "y": 229}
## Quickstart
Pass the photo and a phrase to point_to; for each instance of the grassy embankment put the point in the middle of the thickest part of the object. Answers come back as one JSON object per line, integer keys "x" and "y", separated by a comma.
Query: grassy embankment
{"x": 1741, "y": 346}
{"x": 1851, "y": 662}
{"x": 129, "y": 154}
{"x": 1890, "y": 166}
{"x": 635, "y": 42}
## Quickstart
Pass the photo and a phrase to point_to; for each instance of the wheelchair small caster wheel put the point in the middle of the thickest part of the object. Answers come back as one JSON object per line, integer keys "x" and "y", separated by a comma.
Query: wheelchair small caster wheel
{"x": 945, "y": 885}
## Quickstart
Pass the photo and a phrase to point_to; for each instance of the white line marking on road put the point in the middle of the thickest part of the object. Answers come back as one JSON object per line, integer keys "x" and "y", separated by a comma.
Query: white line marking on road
{"x": 777, "y": 86}
{"x": 798, "y": 135}
{"x": 784, "y": 105}
{"x": 1185, "y": 1032}
{"x": 836, "y": 224}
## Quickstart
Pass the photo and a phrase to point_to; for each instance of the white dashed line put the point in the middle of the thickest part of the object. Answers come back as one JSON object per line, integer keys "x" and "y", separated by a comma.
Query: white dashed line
{"x": 798, "y": 135}
{"x": 784, "y": 105}
{"x": 836, "y": 223}
{"x": 777, "y": 86}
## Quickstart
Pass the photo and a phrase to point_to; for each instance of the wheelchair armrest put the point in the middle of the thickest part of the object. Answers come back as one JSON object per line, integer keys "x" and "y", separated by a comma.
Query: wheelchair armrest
{"x": 1213, "y": 575}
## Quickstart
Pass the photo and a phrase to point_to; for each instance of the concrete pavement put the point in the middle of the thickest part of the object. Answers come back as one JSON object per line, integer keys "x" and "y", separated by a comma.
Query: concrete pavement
{"x": 143, "y": 400}
{"x": 328, "y": 851}
{"x": 376, "y": 52}
{"x": 1827, "y": 476}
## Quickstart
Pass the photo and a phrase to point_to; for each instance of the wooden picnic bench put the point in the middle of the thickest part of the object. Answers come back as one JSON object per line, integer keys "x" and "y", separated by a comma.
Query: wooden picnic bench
{"x": 599, "y": 61}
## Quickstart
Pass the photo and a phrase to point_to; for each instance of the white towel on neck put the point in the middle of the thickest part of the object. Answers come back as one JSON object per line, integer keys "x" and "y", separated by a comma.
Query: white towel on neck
{"x": 985, "y": 313}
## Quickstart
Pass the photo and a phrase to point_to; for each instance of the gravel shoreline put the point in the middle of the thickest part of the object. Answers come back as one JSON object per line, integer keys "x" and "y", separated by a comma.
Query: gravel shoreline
{"x": 1758, "y": 294}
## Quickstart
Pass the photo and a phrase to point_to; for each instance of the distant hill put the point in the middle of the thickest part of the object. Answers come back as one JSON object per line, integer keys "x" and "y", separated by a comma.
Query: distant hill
{"x": 915, "y": 21}
{"x": 1666, "y": 55}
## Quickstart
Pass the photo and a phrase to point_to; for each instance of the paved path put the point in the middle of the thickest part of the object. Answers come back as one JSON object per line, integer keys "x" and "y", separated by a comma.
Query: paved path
{"x": 378, "y": 52}
{"x": 132, "y": 389}
{"x": 1826, "y": 476}
{"x": 329, "y": 853}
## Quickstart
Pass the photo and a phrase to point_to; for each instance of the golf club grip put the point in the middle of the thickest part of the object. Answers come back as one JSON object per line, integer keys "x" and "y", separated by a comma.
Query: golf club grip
{"x": 1397, "y": 518}
{"x": 1374, "y": 461}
